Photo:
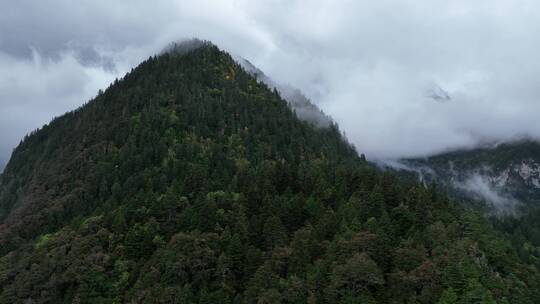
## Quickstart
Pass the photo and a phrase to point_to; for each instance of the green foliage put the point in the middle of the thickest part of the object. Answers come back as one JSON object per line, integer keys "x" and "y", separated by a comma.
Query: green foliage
{"x": 449, "y": 296}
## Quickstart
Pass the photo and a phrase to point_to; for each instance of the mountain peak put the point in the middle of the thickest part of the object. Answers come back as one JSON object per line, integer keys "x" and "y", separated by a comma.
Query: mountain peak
{"x": 187, "y": 45}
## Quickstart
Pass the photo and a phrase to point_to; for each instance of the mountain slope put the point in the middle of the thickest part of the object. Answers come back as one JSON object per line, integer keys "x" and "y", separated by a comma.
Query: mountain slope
{"x": 188, "y": 181}
{"x": 504, "y": 178}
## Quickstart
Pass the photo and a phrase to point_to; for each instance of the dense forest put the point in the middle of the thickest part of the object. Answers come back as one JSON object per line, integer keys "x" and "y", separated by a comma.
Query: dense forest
{"x": 188, "y": 181}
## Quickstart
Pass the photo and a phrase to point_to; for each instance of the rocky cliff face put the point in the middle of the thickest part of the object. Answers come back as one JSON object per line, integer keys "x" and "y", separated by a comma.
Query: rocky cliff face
{"x": 524, "y": 173}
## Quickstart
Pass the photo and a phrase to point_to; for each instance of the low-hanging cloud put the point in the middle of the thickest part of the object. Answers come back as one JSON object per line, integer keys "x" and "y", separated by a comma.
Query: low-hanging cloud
{"x": 482, "y": 188}
{"x": 373, "y": 66}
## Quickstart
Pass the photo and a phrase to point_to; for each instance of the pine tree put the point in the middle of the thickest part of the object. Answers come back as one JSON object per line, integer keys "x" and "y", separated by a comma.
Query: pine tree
{"x": 449, "y": 296}
{"x": 274, "y": 232}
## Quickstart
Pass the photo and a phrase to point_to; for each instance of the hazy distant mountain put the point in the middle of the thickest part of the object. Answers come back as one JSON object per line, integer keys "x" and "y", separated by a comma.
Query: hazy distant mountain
{"x": 507, "y": 171}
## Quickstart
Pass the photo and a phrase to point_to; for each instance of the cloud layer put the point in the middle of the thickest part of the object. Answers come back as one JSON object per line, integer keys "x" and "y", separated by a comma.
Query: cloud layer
{"x": 373, "y": 66}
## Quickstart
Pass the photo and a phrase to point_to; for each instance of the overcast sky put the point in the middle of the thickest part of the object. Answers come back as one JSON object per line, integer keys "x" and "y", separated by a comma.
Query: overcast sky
{"x": 402, "y": 78}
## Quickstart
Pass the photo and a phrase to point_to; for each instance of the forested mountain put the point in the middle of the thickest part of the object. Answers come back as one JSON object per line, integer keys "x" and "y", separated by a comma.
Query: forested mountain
{"x": 188, "y": 181}
{"x": 502, "y": 179}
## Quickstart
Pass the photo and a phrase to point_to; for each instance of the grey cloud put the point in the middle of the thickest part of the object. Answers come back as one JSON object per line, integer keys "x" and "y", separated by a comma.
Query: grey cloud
{"x": 33, "y": 91}
{"x": 367, "y": 64}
